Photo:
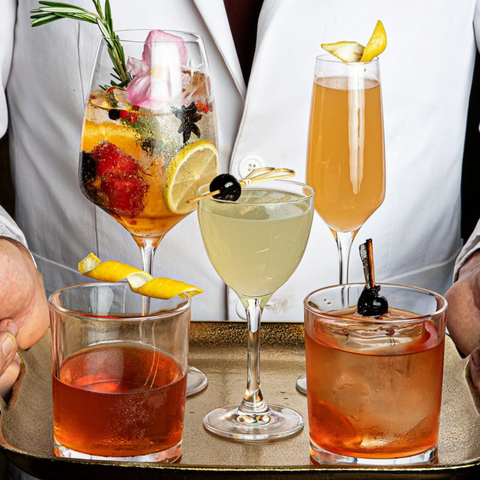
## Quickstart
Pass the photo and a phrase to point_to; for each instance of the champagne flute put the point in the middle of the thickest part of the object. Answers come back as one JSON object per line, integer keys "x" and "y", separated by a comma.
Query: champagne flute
{"x": 255, "y": 244}
{"x": 149, "y": 136}
{"x": 346, "y": 154}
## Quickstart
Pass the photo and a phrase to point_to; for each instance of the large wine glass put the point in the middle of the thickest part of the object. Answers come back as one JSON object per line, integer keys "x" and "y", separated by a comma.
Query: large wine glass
{"x": 346, "y": 155}
{"x": 255, "y": 244}
{"x": 149, "y": 136}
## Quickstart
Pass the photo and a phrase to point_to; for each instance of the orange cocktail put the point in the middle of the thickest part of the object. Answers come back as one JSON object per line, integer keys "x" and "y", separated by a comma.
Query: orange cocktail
{"x": 345, "y": 162}
{"x": 374, "y": 385}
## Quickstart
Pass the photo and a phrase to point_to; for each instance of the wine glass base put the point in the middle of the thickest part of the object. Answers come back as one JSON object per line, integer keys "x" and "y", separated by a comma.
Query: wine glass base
{"x": 301, "y": 384}
{"x": 196, "y": 381}
{"x": 277, "y": 422}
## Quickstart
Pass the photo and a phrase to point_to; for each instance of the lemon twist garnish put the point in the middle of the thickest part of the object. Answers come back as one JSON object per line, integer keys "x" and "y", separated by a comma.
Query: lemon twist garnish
{"x": 355, "y": 52}
{"x": 140, "y": 282}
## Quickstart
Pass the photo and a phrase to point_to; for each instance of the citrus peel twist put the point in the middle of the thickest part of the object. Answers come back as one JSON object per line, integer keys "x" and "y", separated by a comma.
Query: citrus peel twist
{"x": 140, "y": 282}
{"x": 355, "y": 52}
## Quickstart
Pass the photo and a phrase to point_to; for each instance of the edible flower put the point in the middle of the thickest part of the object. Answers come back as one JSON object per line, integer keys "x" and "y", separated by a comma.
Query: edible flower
{"x": 158, "y": 77}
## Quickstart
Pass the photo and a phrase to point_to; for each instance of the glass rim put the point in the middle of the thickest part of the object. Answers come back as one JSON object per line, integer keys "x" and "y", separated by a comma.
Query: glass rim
{"x": 180, "y": 33}
{"x": 375, "y": 321}
{"x": 254, "y": 185}
{"x": 328, "y": 57}
{"x": 163, "y": 314}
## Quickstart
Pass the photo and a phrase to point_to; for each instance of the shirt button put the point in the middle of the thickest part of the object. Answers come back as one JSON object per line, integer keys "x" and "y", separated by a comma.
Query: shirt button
{"x": 249, "y": 163}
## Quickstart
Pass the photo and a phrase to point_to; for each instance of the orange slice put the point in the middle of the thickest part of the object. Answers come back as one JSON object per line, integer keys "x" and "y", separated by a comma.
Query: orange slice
{"x": 140, "y": 282}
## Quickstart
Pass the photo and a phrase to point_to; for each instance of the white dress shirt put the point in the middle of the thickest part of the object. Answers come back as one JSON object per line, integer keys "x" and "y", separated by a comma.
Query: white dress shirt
{"x": 426, "y": 78}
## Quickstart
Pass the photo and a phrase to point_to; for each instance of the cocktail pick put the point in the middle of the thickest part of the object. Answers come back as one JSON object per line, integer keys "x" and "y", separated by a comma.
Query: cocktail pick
{"x": 370, "y": 303}
{"x": 227, "y": 187}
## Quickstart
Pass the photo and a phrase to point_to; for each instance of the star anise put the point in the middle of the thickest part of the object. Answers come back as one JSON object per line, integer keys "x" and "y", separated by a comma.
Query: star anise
{"x": 188, "y": 116}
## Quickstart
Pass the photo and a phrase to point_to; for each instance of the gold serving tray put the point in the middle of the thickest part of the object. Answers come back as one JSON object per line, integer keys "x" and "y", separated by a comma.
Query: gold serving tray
{"x": 219, "y": 349}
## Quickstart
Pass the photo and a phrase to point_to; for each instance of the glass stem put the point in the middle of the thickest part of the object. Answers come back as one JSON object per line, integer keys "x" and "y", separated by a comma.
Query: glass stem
{"x": 253, "y": 401}
{"x": 148, "y": 247}
{"x": 344, "y": 245}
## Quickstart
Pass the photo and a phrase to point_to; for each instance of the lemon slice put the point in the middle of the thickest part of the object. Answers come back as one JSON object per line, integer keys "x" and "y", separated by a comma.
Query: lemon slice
{"x": 345, "y": 51}
{"x": 194, "y": 166}
{"x": 377, "y": 43}
{"x": 140, "y": 282}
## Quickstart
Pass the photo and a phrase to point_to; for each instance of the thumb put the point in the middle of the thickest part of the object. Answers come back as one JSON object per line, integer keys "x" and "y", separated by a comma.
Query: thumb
{"x": 8, "y": 349}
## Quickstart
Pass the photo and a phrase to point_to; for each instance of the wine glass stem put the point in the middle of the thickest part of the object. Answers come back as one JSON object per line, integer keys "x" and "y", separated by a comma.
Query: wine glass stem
{"x": 253, "y": 401}
{"x": 148, "y": 247}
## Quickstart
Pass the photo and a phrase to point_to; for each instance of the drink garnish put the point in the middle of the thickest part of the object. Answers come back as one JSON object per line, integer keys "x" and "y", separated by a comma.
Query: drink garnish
{"x": 191, "y": 168}
{"x": 355, "y": 52}
{"x": 227, "y": 187}
{"x": 370, "y": 303}
{"x": 140, "y": 281}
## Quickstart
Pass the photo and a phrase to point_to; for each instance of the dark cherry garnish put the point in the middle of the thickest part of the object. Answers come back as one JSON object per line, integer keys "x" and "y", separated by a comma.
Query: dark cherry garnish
{"x": 114, "y": 114}
{"x": 229, "y": 187}
{"x": 370, "y": 303}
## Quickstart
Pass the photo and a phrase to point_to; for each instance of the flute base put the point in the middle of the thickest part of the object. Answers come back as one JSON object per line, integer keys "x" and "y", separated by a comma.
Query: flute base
{"x": 275, "y": 423}
{"x": 301, "y": 384}
{"x": 196, "y": 381}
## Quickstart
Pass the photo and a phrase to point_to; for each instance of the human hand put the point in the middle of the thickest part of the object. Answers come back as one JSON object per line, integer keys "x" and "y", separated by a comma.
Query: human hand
{"x": 23, "y": 308}
{"x": 463, "y": 314}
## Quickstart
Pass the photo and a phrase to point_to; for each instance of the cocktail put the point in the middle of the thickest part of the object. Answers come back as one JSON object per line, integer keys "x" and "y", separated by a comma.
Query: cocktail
{"x": 255, "y": 244}
{"x": 149, "y": 136}
{"x": 118, "y": 377}
{"x": 345, "y": 160}
{"x": 374, "y": 384}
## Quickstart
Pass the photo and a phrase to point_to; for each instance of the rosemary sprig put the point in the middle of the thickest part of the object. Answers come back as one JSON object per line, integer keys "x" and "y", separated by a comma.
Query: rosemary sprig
{"x": 52, "y": 11}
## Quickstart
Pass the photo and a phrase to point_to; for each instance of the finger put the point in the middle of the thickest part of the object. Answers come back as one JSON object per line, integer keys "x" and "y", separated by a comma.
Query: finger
{"x": 8, "y": 325}
{"x": 475, "y": 369}
{"x": 8, "y": 349}
{"x": 9, "y": 377}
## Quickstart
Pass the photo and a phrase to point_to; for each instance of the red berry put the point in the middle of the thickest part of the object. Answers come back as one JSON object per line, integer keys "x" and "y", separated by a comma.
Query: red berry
{"x": 205, "y": 108}
{"x": 136, "y": 107}
{"x": 123, "y": 114}
{"x": 132, "y": 118}
{"x": 126, "y": 195}
{"x": 110, "y": 160}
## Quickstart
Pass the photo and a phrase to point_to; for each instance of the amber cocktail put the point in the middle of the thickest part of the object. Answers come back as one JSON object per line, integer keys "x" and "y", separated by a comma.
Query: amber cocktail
{"x": 119, "y": 378}
{"x": 374, "y": 385}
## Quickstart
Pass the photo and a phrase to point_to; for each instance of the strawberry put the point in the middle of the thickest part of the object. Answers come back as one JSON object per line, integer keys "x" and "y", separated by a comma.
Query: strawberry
{"x": 126, "y": 195}
{"x": 120, "y": 180}
{"x": 111, "y": 160}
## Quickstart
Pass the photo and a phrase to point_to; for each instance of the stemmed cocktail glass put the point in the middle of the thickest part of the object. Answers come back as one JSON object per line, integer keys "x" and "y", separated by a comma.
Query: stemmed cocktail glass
{"x": 346, "y": 157}
{"x": 149, "y": 136}
{"x": 255, "y": 244}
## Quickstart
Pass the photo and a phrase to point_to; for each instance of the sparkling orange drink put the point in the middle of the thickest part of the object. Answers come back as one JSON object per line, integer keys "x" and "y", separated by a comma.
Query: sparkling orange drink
{"x": 345, "y": 161}
{"x": 345, "y": 151}
{"x": 119, "y": 377}
{"x": 374, "y": 385}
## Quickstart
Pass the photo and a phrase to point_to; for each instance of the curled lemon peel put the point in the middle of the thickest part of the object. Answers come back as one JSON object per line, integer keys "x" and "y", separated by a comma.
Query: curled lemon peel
{"x": 139, "y": 281}
{"x": 355, "y": 52}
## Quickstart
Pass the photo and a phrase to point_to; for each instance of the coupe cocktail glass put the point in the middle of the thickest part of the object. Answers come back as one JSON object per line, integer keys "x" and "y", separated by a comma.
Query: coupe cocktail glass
{"x": 149, "y": 141}
{"x": 118, "y": 376}
{"x": 374, "y": 385}
{"x": 346, "y": 155}
{"x": 255, "y": 244}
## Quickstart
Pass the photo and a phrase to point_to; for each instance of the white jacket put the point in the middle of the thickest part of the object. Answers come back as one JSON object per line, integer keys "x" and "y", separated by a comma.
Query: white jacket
{"x": 426, "y": 79}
